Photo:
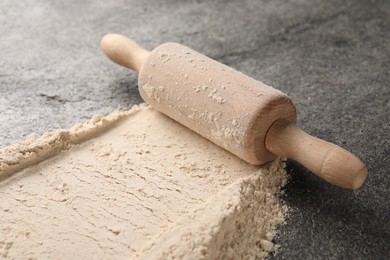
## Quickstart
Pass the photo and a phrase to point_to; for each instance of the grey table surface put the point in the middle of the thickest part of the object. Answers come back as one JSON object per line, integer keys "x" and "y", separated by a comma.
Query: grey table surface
{"x": 331, "y": 57}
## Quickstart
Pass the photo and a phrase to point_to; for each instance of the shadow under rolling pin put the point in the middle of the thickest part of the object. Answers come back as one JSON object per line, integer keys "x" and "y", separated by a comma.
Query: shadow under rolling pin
{"x": 246, "y": 117}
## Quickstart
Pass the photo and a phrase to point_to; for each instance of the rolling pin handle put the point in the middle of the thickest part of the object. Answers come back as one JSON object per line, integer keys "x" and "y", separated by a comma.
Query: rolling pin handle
{"x": 124, "y": 51}
{"x": 328, "y": 161}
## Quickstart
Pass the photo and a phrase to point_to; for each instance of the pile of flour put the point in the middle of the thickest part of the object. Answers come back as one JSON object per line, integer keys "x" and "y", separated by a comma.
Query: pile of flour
{"x": 134, "y": 185}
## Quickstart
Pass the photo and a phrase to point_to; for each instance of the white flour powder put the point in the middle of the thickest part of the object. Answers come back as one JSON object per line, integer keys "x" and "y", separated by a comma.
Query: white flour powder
{"x": 134, "y": 185}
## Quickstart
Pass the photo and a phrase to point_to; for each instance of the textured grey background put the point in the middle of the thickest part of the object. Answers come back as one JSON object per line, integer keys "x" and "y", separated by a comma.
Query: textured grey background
{"x": 331, "y": 57}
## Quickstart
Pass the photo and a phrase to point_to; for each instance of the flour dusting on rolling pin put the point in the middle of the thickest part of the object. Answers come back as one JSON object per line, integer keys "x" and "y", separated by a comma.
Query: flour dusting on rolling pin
{"x": 246, "y": 117}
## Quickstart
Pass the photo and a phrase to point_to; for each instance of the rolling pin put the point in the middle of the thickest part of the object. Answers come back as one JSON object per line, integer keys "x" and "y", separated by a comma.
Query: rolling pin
{"x": 246, "y": 117}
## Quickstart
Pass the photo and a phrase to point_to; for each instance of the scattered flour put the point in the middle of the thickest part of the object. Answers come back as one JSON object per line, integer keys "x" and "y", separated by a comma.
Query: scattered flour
{"x": 134, "y": 185}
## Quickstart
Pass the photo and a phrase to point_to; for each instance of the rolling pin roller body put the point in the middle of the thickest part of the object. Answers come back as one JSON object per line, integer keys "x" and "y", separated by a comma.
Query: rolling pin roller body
{"x": 246, "y": 117}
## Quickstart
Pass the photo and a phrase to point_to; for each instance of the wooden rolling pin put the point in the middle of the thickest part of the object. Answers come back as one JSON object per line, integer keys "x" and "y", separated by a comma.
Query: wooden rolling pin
{"x": 246, "y": 117}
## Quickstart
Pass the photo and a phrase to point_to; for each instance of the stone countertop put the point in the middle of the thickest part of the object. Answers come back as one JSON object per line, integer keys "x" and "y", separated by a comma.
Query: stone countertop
{"x": 331, "y": 57}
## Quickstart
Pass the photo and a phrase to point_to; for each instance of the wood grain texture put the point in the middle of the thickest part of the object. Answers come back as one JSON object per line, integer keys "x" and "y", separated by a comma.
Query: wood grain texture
{"x": 329, "y": 161}
{"x": 223, "y": 105}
